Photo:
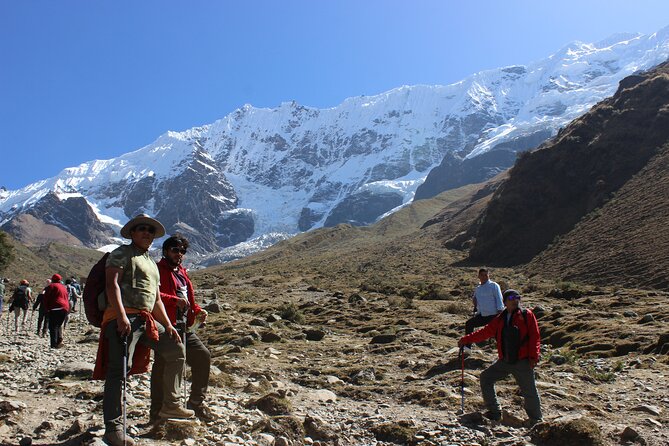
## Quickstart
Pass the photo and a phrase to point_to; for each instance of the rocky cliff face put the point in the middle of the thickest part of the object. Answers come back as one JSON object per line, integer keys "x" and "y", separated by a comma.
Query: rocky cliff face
{"x": 550, "y": 190}
{"x": 294, "y": 168}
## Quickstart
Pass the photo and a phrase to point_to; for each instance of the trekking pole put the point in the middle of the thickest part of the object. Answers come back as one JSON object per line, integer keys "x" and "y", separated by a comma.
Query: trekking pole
{"x": 124, "y": 341}
{"x": 183, "y": 323}
{"x": 462, "y": 380}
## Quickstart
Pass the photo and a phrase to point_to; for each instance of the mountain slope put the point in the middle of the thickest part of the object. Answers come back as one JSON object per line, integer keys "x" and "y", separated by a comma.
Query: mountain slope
{"x": 294, "y": 168}
{"x": 551, "y": 189}
{"x": 624, "y": 242}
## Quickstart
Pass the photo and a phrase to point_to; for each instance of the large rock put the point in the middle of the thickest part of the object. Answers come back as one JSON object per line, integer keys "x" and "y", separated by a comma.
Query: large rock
{"x": 577, "y": 431}
{"x": 76, "y": 369}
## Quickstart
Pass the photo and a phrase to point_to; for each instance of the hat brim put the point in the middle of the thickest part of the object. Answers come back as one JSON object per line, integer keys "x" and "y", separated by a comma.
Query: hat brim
{"x": 142, "y": 220}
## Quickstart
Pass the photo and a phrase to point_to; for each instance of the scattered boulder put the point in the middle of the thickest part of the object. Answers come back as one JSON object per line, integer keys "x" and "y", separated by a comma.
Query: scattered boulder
{"x": 356, "y": 298}
{"x": 323, "y": 395}
{"x": 629, "y": 434}
{"x": 244, "y": 341}
{"x": 472, "y": 418}
{"x": 26, "y": 441}
{"x": 653, "y": 410}
{"x": 76, "y": 428}
{"x": 383, "y": 339}
{"x": 272, "y": 404}
{"x": 287, "y": 430}
{"x": 581, "y": 431}
{"x": 317, "y": 429}
{"x": 11, "y": 406}
{"x": 558, "y": 359}
{"x": 398, "y": 433}
{"x": 270, "y": 336}
{"x": 647, "y": 319}
{"x": 77, "y": 369}
{"x": 363, "y": 376}
{"x": 175, "y": 430}
{"x": 257, "y": 322}
{"x": 213, "y": 307}
{"x": 273, "y": 318}
{"x": 314, "y": 335}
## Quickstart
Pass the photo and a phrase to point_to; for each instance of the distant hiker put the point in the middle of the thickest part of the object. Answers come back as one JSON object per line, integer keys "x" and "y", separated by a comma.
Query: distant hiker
{"x": 135, "y": 315}
{"x": 20, "y": 301}
{"x": 73, "y": 293}
{"x": 518, "y": 347}
{"x": 2, "y": 295}
{"x": 76, "y": 285}
{"x": 487, "y": 304}
{"x": 42, "y": 318}
{"x": 176, "y": 292}
{"x": 57, "y": 305}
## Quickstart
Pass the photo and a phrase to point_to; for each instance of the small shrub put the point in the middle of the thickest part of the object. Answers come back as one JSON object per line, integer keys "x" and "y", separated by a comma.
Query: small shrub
{"x": 458, "y": 307}
{"x": 397, "y": 302}
{"x": 435, "y": 291}
{"x": 290, "y": 312}
{"x": 394, "y": 433}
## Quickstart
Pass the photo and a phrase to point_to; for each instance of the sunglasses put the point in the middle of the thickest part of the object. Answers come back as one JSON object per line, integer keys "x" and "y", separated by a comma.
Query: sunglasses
{"x": 513, "y": 297}
{"x": 176, "y": 249}
{"x": 145, "y": 228}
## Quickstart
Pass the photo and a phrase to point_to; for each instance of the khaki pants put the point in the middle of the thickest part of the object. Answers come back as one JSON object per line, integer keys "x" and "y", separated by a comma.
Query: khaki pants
{"x": 199, "y": 360}
{"x": 168, "y": 349}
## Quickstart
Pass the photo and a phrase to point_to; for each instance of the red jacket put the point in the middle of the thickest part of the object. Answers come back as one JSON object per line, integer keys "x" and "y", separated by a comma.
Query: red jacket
{"x": 168, "y": 292}
{"x": 529, "y": 349}
{"x": 56, "y": 296}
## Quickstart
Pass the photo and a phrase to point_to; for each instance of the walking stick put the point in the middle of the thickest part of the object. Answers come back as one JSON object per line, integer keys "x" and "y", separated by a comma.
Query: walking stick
{"x": 182, "y": 323}
{"x": 462, "y": 380}
{"x": 124, "y": 341}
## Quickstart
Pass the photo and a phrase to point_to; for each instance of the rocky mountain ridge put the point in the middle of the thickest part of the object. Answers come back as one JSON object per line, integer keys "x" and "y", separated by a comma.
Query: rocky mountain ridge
{"x": 576, "y": 178}
{"x": 294, "y": 168}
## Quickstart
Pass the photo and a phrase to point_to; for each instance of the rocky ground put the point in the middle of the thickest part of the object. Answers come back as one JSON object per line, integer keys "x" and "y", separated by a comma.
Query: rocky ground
{"x": 299, "y": 363}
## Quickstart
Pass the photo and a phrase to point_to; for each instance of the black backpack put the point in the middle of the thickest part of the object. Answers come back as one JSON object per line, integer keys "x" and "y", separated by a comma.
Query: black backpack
{"x": 20, "y": 298}
{"x": 95, "y": 298}
{"x": 511, "y": 342}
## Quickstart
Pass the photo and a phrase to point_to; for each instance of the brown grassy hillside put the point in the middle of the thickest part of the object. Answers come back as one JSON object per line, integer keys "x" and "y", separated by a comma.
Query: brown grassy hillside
{"x": 36, "y": 264}
{"x": 625, "y": 242}
{"x": 551, "y": 189}
{"x": 392, "y": 254}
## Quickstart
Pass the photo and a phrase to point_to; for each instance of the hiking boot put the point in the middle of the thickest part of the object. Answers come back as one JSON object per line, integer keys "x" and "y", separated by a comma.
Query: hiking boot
{"x": 118, "y": 438}
{"x": 202, "y": 412}
{"x": 175, "y": 412}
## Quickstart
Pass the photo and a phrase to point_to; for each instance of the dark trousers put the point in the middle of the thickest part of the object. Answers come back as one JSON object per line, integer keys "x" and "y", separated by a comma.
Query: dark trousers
{"x": 42, "y": 321}
{"x": 477, "y": 321}
{"x": 199, "y": 360}
{"x": 524, "y": 375}
{"x": 56, "y": 319}
{"x": 166, "y": 348}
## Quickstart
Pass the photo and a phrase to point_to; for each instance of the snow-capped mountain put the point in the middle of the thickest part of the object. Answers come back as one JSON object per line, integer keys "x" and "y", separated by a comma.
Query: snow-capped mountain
{"x": 292, "y": 168}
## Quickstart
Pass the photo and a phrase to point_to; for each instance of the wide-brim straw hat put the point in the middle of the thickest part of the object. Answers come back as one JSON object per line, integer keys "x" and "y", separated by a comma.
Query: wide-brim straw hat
{"x": 142, "y": 219}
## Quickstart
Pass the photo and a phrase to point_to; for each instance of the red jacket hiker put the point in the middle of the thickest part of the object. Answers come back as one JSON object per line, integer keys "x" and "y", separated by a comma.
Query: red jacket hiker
{"x": 168, "y": 292}
{"x": 56, "y": 296}
{"x": 529, "y": 349}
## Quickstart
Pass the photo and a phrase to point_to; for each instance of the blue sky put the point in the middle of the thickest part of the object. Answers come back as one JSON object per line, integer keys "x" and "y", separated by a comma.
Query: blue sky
{"x": 84, "y": 79}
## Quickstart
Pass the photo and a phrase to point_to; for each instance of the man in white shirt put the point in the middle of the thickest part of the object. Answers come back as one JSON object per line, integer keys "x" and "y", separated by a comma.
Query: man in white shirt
{"x": 488, "y": 302}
